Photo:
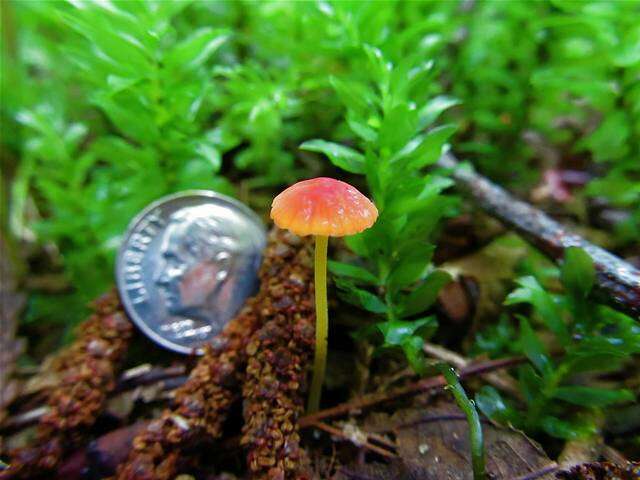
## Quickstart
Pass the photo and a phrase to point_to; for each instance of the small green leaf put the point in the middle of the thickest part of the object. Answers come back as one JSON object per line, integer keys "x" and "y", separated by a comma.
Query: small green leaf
{"x": 396, "y": 332}
{"x": 490, "y": 402}
{"x": 531, "y": 291}
{"x": 607, "y": 351}
{"x": 412, "y": 348}
{"x": 207, "y": 152}
{"x": 578, "y": 273}
{"x": 426, "y": 294}
{"x": 355, "y": 96}
{"x": 434, "y": 107}
{"x": 592, "y": 396}
{"x": 365, "y": 132}
{"x": 530, "y": 383}
{"x": 397, "y": 129}
{"x": 352, "y": 271}
{"x": 343, "y": 157}
{"x": 129, "y": 115}
{"x": 359, "y": 297}
{"x": 565, "y": 429}
{"x": 410, "y": 268}
{"x": 380, "y": 67}
{"x": 427, "y": 149}
{"x": 195, "y": 50}
{"x": 358, "y": 244}
{"x": 533, "y": 348}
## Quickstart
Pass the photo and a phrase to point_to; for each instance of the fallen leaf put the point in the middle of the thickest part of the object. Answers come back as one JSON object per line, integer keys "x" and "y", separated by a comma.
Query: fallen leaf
{"x": 492, "y": 268}
{"x": 433, "y": 444}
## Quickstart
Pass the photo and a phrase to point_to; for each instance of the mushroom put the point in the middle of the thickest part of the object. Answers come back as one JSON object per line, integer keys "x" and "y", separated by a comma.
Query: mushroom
{"x": 323, "y": 207}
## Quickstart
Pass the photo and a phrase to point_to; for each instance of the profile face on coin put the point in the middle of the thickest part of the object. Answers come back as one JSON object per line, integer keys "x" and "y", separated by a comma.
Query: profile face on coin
{"x": 187, "y": 264}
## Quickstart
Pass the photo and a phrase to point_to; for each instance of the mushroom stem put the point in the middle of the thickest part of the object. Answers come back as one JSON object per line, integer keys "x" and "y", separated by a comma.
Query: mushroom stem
{"x": 322, "y": 323}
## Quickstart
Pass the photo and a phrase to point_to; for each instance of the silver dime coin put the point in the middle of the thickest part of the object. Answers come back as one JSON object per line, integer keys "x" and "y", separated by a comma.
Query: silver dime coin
{"x": 187, "y": 264}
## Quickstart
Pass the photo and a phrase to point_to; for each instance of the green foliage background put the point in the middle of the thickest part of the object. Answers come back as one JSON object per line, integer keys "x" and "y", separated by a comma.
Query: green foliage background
{"x": 109, "y": 105}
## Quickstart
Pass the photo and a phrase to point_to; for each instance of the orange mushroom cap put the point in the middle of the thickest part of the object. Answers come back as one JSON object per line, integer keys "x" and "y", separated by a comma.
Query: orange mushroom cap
{"x": 323, "y": 206}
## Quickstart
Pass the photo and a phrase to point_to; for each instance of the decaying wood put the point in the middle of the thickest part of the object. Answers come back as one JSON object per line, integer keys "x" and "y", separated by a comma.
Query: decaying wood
{"x": 88, "y": 372}
{"x": 618, "y": 282}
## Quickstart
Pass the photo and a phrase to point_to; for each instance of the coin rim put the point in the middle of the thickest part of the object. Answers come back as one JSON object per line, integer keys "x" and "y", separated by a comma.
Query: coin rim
{"x": 130, "y": 229}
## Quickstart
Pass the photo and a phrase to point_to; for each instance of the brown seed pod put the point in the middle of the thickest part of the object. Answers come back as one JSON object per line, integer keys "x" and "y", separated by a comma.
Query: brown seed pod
{"x": 88, "y": 372}
{"x": 279, "y": 355}
{"x": 201, "y": 405}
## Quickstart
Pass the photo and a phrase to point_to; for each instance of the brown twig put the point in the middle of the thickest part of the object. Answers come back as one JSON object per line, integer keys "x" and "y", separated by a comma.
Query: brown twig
{"x": 618, "y": 282}
{"x": 25, "y": 419}
{"x": 146, "y": 374}
{"x": 500, "y": 380}
{"x": 420, "y": 386}
{"x": 131, "y": 379}
{"x": 546, "y": 470}
{"x": 336, "y": 432}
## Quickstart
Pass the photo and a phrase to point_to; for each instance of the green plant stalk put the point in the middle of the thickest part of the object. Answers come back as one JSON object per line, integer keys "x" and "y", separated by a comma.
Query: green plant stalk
{"x": 322, "y": 323}
{"x": 475, "y": 427}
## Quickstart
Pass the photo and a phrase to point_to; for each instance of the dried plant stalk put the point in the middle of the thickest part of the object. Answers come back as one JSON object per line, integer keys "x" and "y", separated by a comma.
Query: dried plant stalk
{"x": 201, "y": 405}
{"x": 279, "y": 355}
{"x": 87, "y": 374}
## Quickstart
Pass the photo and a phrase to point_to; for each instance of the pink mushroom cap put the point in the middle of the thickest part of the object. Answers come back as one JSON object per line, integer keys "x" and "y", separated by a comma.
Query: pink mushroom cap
{"x": 323, "y": 206}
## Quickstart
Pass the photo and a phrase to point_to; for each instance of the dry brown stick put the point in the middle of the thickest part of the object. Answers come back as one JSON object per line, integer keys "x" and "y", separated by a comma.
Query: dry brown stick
{"x": 618, "y": 282}
{"x": 147, "y": 374}
{"x": 420, "y": 386}
{"x": 500, "y": 380}
{"x": 336, "y": 432}
{"x": 546, "y": 470}
{"x": 129, "y": 380}
{"x": 23, "y": 420}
